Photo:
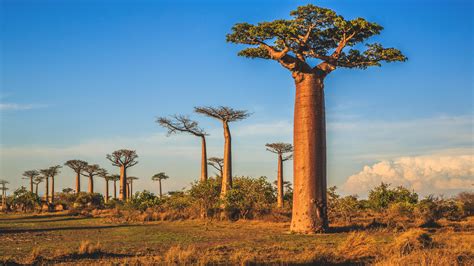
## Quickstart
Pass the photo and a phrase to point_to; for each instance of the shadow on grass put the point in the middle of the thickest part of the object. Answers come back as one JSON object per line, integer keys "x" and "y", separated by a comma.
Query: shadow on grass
{"x": 35, "y": 230}
{"x": 40, "y": 260}
{"x": 31, "y": 217}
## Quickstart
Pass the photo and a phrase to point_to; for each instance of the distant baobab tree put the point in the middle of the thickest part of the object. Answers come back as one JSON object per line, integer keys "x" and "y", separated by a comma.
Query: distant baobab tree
{"x": 280, "y": 149}
{"x": 38, "y": 180}
{"x": 105, "y": 175}
{"x": 158, "y": 177}
{"x": 115, "y": 178}
{"x": 123, "y": 159}
{"x": 313, "y": 34}
{"x": 217, "y": 163}
{"x": 225, "y": 115}
{"x": 53, "y": 172}
{"x": 181, "y": 123}
{"x": 45, "y": 174}
{"x": 31, "y": 175}
{"x": 130, "y": 182}
{"x": 90, "y": 171}
{"x": 4, "y": 189}
{"x": 77, "y": 166}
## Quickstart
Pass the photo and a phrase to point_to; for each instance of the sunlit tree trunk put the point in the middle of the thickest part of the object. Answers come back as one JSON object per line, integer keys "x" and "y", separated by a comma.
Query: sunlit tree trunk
{"x": 204, "y": 174}
{"x": 106, "y": 190}
{"x": 280, "y": 182}
{"x": 123, "y": 184}
{"x": 52, "y": 189}
{"x": 115, "y": 189}
{"x": 78, "y": 182}
{"x": 309, "y": 198}
{"x": 131, "y": 189}
{"x": 161, "y": 194}
{"x": 227, "y": 171}
{"x": 91, "y": 185}
{"x": 36, "y": 189}
{"x": 46, "y": 195}
{"x": 31, "y": 184}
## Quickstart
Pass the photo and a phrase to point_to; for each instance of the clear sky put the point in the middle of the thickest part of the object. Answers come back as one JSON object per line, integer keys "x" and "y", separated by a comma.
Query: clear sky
{"x": 80, "y": 79}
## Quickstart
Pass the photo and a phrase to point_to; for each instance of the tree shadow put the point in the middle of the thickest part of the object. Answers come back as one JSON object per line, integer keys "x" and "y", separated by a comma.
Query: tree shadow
{"x": 30, "y": 217}
{"x": 36, "y": 230}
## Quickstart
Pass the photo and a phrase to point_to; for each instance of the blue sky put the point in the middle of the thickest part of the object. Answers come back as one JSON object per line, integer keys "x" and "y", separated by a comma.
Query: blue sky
{"x": 83, "y": 78}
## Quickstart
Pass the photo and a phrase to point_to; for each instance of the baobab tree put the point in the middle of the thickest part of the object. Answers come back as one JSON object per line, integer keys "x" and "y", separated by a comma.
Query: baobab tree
{"x": 31, "y": 175}
{"x": 4, "y": 189}
{"x": 53, "y": 171}
{"x": 123, "y": 159}
{"x": 45, "y": 174}
{"x": 90, "y": 171}
{"x": 182, "y": 124}
{"x": 130, "y": 182}
{"x": 158, "y": 177}
{"x": 115, "y": 178}
{"x": 312, "y": 34}
{"x": 216, "y": 163}
{"x": 39, "y": 179}
{"x": 77, "y": 166}
{"x": 225, "y": 115}
{"x": 280, "y": 149}
{"x": 105, "y": 175}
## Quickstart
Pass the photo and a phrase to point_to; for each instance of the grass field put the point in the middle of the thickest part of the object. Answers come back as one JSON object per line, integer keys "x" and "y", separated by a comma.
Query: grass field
{"x": 62, "y": 238}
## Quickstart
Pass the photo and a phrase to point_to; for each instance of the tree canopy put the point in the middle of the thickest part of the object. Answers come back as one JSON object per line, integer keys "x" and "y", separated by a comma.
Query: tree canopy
{"x": 159, "y": 176}
{"x": 126, "y": 158}
{"x": 181, "y": 123}
{"x": 314, "y": 33}
{"x": 223, "y": 113}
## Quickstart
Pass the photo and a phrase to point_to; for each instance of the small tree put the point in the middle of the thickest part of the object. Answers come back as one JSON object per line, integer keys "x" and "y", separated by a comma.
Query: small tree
{"x": 91, "y": 171}
{"x": 45, "y": 174}
{"x": 4, "y": 189}
{"x": 53, "y": 171}
{"x": 115, "y": 178}
{"x": 225, "y": 115}
{"x": 38, "y": 180}
{"x": 216, "y": 163}
{"x": 130, "y": 181}
{"x": 181, "y": 123}
{"x": 123, "y": 159}
{"x": 77, "y": 166}
{"x": 105, "y": 175}
{"x": 280, "y": 149}
{"x": 31, "y": 175}
{"x": 158, "y": 177}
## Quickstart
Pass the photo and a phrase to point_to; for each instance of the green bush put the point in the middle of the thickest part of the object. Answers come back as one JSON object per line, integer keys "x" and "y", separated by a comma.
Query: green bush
{"x": 207, "y": 196}
{"x": 25, "y": 200}
{"x": 382, "y": 196}
{"x": 143, "y": 200}
{"x": 88, "y": 200}
{"x": 466, "y": 201}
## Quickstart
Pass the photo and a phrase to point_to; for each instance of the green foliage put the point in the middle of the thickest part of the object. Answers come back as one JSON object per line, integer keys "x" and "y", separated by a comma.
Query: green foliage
{"x": 342, "y": 207}
{"x": 143, "y": 200}
{"x": 206, "y": 195}
{"x": 382, "y": 196}
{"x": 94, "y": 200}
{"x": 466, "y": 200}
{"x": 25, "y": 200}
{"x": 178, "y": 201}
{"x": 249, "y": 197}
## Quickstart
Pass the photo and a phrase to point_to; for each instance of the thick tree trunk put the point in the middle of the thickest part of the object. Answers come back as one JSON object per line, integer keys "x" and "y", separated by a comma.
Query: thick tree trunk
{"x": 78, "y": 182}
{"x": 123, "y": 183}
{"x": 280, "y": 182}
{"x": 161, "y": 194}
{"x": 115, "y": 189}
{"x": 204, "y": 160}
{"x": 31, "y": 184}
{"x": 52, "y": 189}
{"x": 106, "y": 190}
{"x": 227, "y": 171}
{"x": 36, "y": 189}
{"x": 46, "y": 196}
{"x": 91, "y": 185}
{"x": 309, "y": 199}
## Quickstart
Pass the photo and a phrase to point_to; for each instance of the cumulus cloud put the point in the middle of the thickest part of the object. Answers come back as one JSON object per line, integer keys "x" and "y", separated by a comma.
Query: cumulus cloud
{"x": 429, "y": 174}
{"x": 17, "y": 107}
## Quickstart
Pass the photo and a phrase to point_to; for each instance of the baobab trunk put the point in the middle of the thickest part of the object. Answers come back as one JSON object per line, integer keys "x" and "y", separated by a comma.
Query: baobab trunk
{"x": 46, "y": 197}
{"x": 123, "y": 183}
{"x": 106, "y": 190}
{"x": 52, "y": 189}
{"x": 115, "y": 189}
{"x": 161, "y": 194}
{"x": 91, "y": 185}
{"x": 309, "y": 198}
{"x": 131, "y": 190}
{"x": 204, "y": 160}
{"x": 227, "y": 172}
{"x": 31, "y": 184}
{"x": 280, "y": 181}
{"x": 36, "y": 189}
{"x": 78, "y": 182}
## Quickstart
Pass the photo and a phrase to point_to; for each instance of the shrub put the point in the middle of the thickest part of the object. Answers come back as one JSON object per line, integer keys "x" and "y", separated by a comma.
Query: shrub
{"x": 207, "y": 196}
{"x": 382, "y": 196}
{"x": 466, "y": 200}
{"x": 87, "y": 248}
{"x": 143, "y": 200}
{"x": 25, "y": 200}
{"x": 94, "y": 200}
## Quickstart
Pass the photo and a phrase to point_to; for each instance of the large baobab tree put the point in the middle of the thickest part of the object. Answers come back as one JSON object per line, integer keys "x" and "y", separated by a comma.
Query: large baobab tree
{"x": 115, "y": 178}
{"x": 105, "y": 175}
{"x": 280, "y": 149}
{"x": 225, "y": 115}
{"x": 158, "y": 177}
{"x": 130, "y": 182}
{"x": 181, "y": 123}
{"x": 91, "y": 171}
{"x": 77, "y": 166}
{"x": 313, "y": 34}
{"x": 53, "y": 171}
{"x": 31, "y": 175}
{"x": 217, "y": 163}
{"x": 123, "y": 159}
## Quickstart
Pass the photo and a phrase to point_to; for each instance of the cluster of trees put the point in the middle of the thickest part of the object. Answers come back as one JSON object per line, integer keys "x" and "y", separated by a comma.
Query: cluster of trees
{"x": 312, "y": 34}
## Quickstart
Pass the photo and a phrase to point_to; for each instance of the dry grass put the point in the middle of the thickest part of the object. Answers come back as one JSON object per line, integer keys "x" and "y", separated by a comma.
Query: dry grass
{"x": 181, "y": 255}
{"x": 411, "y": 240}
{"x": 358, "y": 245}
{"x": 87, "y": 248}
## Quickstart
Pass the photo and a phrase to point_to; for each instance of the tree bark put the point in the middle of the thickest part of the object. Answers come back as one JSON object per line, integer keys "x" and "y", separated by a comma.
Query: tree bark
{"x": 91, "y": 185}
{"x": 123, "y": 183}
{"x": 31, "y": 184}
{"x": 161, "y": 194}
{"x": 36, "y": 189}
{"x": 204, "y": 174}
{"x": 115, "y": 189}
{"x": 280, "y": 182}
{"x": 309, "y": 199}
{"x": 46, "y": 196}
{"x": 227, "y": 171}
{"x": 52, "y": 189}
{"x": 78, "y": 182}
{"x": 106, "y": 190}
{"x": 131, "y": 189}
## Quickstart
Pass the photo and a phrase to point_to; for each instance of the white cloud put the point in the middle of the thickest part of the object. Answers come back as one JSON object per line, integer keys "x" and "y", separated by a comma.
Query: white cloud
{"x": 18, "y": 107}
{"x": 429, "y": 174}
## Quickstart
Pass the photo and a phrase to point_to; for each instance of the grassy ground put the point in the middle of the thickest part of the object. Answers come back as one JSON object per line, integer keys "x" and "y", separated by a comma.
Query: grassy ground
{"x": 61, "y": 238}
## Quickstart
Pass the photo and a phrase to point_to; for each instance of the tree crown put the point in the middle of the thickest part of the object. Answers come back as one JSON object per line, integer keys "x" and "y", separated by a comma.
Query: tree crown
{"x": 76, "y": 165}
{"x": 92, "y": 170}
{"x": 181, "y": 123}
{"x": 313, "y": 33}
{"x": 223, "y": 113}
{"x": 31, "y": 174}
{"x": 126, "y": 158}
{"x": 159, "y": 176}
